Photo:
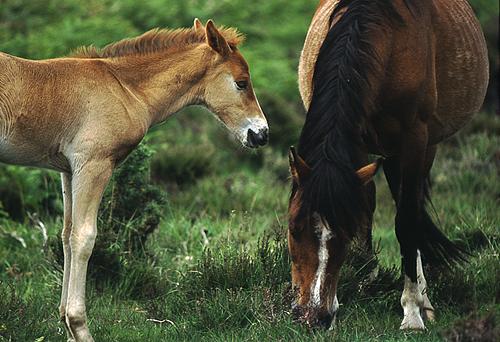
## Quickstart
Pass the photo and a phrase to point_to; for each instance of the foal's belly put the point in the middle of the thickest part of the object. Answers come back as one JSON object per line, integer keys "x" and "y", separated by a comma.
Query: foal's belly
{"x": 461, "y": 67}
{"x": 27, "y": 154}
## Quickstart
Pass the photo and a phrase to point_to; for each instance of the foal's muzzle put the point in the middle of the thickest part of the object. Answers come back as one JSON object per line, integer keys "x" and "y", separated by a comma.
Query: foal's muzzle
{"x": 260, "y": 138}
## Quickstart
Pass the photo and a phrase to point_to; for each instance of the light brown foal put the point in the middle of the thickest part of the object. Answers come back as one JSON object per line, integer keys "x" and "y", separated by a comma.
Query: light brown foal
{"x": 83, "y": 114}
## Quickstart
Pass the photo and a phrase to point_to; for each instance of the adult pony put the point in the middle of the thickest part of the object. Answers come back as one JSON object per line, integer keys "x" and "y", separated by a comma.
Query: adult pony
{"x": 386, "y": 77}
{"x": 82, "y": 115}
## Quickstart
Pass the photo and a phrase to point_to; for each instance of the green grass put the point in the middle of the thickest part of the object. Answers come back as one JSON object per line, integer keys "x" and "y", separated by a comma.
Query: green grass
{"x": 231, "y": 282}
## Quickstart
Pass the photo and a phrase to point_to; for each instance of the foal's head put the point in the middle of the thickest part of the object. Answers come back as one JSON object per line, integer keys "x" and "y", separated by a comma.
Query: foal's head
{"x": 229, "y": 92}
{"x": 317, "y": 251}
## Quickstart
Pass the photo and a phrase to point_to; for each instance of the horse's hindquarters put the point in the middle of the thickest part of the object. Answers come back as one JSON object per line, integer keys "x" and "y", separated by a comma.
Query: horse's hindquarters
{"x": 461, "y": 67}
{"x": 317, "y": 32}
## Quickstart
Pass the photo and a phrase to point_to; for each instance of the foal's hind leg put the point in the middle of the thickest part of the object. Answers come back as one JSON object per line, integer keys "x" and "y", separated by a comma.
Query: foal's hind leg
{"x": 65, "y": 236}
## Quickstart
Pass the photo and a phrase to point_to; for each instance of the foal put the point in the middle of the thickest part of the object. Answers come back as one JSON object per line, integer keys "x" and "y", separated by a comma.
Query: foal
{"x": 82, "y": 115}
{"x": 387, "y": 77}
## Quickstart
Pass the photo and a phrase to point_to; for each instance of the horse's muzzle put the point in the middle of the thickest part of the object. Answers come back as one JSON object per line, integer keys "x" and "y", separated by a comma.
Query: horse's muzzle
{"x": 313, "y": 317}
{"x": 260, "y": 138}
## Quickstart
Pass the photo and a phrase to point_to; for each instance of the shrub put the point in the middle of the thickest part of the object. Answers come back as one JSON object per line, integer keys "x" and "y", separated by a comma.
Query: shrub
{"x": 182, "y": 164}
{"x": 24, "y": 190}
{"x": 132, "y": 206}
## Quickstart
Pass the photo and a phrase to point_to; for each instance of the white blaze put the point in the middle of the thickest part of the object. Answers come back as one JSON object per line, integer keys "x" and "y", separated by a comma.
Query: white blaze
{"x": 326, "y": 235}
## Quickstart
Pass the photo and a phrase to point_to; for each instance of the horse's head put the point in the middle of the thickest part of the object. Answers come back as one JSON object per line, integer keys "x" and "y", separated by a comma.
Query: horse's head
{"x": 317, "y": 251}
{"x": 228, "y": 89}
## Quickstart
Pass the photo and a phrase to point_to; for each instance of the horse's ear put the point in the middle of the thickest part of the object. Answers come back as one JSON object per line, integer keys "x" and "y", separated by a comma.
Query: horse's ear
{"x": 367, "y": 172}
{"x": 216, "y": 40}
{"x": 298, "y": 167}
{"x": 198, "y": 26}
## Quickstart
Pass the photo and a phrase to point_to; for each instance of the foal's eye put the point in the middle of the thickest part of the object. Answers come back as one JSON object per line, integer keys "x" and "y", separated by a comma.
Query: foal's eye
{"x": 242, "y": 85}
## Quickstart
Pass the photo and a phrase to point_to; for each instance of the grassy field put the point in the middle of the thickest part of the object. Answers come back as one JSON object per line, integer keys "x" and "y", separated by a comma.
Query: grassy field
{"x": 217, "y": 269}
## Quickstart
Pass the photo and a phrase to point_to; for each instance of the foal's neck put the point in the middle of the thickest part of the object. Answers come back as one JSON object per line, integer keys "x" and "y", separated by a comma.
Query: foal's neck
{"x": 165, "y": 82}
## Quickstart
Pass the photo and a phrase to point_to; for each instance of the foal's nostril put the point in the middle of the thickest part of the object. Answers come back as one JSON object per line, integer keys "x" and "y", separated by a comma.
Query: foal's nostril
{"x": 256, "y": 139}
{"x": 264, "y": 135}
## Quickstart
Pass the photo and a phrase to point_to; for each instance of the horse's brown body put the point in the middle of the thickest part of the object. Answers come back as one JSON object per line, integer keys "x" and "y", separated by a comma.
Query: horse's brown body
{"x": 448, "y": 78}
{"x": 428, "y": 77}
{"x": 452, "y": 79}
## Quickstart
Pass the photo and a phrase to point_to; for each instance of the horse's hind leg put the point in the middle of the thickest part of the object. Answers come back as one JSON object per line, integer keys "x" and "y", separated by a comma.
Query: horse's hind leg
{"x": 65, "y": 236}
{"x": 371, "y": 197}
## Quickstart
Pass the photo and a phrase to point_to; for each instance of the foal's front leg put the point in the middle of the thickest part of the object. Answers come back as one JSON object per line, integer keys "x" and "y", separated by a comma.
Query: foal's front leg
{"x": 88, "y": 184}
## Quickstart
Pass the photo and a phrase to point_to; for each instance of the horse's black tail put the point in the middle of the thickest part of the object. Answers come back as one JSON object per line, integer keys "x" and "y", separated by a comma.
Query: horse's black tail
{"x": 435, "y": 247}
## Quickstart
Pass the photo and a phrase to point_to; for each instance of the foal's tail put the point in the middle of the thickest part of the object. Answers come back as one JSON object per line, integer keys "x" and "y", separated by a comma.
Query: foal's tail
{"x": 436, "y": 248}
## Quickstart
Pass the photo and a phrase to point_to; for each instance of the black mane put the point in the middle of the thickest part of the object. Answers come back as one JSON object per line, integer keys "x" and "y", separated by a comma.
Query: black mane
{"x": 331, "y": 139}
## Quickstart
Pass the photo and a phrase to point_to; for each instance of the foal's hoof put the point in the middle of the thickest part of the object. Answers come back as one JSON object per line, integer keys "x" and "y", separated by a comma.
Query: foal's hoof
{"x": 428, "y": 315}
{"x": 412, "y": 322}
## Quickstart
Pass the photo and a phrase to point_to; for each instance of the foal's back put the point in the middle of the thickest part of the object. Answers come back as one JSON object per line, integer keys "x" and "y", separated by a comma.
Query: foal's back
{"x": 45, "y": 104}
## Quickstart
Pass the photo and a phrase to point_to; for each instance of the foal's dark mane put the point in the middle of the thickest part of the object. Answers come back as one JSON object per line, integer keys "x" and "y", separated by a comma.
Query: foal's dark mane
{"x": 331, "y": 139}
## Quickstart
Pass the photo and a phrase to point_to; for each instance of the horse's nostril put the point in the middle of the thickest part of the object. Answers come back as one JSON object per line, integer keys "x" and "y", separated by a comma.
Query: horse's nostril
{"x": 325, "y": 321}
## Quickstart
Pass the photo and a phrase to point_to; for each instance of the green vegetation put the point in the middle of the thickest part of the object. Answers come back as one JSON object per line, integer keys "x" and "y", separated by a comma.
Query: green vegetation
{"x": 192, "y": 234}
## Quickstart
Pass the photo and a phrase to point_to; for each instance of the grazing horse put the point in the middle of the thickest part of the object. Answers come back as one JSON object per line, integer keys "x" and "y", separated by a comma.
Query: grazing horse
{"x": 82, "y": 115}
{"x": 391, "y": 78}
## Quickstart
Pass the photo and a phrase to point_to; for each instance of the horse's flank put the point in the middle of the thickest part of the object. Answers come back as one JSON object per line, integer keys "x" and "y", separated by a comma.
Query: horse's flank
{"x": 316, "y": 34}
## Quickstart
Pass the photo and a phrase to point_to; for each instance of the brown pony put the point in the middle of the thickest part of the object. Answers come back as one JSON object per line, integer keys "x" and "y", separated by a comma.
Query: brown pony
{"x": 386, "y": 77}
{"x": 82, "y": 115}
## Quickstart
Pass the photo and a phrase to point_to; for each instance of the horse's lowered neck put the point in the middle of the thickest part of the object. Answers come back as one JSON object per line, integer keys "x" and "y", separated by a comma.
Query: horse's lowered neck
{"x": 165, "y": 83}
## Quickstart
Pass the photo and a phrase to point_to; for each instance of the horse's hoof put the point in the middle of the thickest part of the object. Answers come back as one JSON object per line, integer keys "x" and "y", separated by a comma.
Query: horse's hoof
{"x": 412, "y": 322}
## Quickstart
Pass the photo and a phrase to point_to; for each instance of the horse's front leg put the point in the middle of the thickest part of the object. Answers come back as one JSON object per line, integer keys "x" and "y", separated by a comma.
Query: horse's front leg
{"x": 427, "y": 310}
{"x": 65, "y": 236}
{"x": 416, "y": 304}
{"x": 88, "y": 184}
{"x": 406, "y": 177}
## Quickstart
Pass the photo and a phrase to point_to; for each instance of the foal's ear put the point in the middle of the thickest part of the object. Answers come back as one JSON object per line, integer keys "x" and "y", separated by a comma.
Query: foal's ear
{"x": 367, "y": 172}
{"x": 216, "y": 40}
{"x": 298, "y": 167}
{"x": 198, "y": 26}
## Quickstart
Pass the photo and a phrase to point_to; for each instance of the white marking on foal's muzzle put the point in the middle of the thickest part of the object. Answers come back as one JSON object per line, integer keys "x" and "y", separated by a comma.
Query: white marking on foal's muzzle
{"x": 325, "y": 234}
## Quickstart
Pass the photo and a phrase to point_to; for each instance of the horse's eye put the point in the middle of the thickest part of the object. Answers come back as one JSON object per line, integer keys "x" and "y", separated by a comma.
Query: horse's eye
{"x": 242, "y": 85}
